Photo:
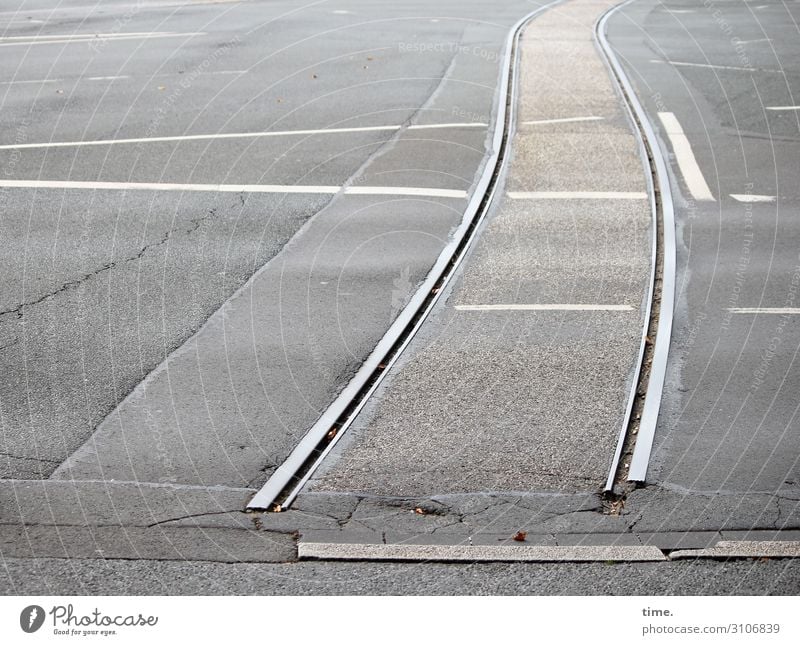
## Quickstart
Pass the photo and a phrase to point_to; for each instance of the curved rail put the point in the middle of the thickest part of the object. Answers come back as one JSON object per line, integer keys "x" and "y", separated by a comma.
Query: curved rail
{"x": 663, "y": 213}
{"x": 285, "y": 483}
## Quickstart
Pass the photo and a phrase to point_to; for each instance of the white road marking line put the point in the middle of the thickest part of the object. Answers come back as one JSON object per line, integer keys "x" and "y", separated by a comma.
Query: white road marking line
{"x": 551, "y": 307}
{"x": 432, "y": 126}
{"x": 405, "y": 191}
{"x": 765, "y": 310}
{"x": 97, "y": 39}
{"x": 752, "y": 199}
{"x": 571, "y": 119}
{"x": 235, "y": 188}
{"x": 116, "y": 34}
{"x": 784, "y": 107}
{"x": 119, "y": 185}
{"x": 687, "y": 162}
{"x": 710, "y": 66}
{"x": 238, "y": 135}
{"x": 576, "y": 195}
{"x": 109, "y": 78}
{"x": 33, "y": 82}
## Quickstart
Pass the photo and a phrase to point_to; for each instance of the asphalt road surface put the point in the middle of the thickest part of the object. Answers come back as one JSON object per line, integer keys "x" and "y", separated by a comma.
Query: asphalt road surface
{"x": 213, "y": 211}
{"x": 101, "y": 285}
{"x": 727, "y": 448}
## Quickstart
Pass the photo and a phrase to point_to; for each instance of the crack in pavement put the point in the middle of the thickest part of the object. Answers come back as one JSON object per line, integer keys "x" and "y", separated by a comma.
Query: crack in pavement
{"x": 196, "y": 223}
{"x": 192, "y": 515}
{"x": 13, "y": 456}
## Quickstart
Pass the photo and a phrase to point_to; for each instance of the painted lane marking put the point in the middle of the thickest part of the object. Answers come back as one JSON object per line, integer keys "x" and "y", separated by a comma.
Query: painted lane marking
{"x": 97, "y": 39}
{"x": 765, "y": 310}
{"x": 405, "y": 191}
{"x": 111, "y": 78}
{"x": 239, "y": 135}
{"x": 687, "y": 162}
{"x": 710, "y": 66}
{"x": 32, "y": 82}
{"x": 570, "y": 119}
{"x": 119, "y": 185}
{"x": 434, "y": 126}
{"x": 91, "y": 36}
{"x": 576, "y": 195}
{"x": 549, "y": 307}
{"x": 753, "y": 199}
{"x": 237, "y": 188}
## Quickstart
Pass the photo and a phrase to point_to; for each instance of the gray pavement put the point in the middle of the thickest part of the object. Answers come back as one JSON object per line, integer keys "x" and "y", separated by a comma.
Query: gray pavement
{"x": 66, "y": 577}
{"x": 164, "y": 351}
{"x": 728, "y": 439}
{"x": 102, "y": 286}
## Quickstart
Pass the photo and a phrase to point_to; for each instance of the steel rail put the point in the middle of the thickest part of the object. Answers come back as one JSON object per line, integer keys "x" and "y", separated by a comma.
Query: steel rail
{"x": 288, "y": 479}
{"x": 663, "y": 211}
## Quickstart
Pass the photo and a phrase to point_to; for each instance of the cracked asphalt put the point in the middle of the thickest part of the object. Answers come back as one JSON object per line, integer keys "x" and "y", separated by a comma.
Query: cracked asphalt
{"x": 101, "y": 286}
{"x": 208, "y": 230}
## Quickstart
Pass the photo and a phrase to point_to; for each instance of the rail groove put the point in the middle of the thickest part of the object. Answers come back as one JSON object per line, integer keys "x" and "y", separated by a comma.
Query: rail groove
{"x": 636, "y": 434}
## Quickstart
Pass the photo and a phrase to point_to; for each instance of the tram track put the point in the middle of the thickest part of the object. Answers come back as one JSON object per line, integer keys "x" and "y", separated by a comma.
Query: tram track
{"x": 640, "y": 414}
{"x": 638, "y": 427}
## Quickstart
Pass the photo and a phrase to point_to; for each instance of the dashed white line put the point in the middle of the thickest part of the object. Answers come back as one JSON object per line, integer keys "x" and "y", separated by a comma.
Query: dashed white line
{"x": 753, "y": 199}
{"x": 765, "y": 310}
{"x": 575, "y": 195}
{"x": 545, "y": 307}
{"x": 31, "y": 82}
{"x": 710, "y": 66}
{"x": 405, "y": 191}
{"x": 117, "y": 34}
{"x": 570, "y": 119}
{"x": 238, "y": 135}
{"x": 97, "y": 39}
{"x": 433, "y": 126}
{"x": 38, "y": 81}
{"x": 119, "y": 185}
{"x": 235, "y": 188}
{"x": 687, "y": 162}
